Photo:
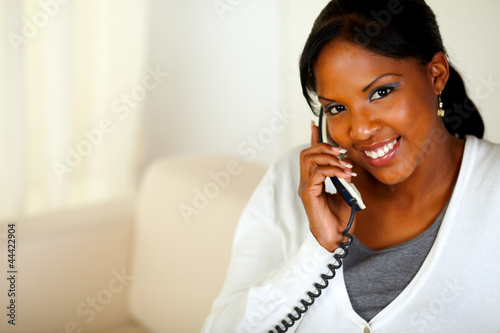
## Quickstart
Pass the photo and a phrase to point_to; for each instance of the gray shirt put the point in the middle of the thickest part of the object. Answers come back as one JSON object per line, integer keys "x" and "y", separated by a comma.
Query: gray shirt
{"x": 374, "y": 278}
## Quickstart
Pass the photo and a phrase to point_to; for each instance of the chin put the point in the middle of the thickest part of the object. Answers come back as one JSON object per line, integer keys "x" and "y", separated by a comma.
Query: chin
{"x": 393, "y": 176}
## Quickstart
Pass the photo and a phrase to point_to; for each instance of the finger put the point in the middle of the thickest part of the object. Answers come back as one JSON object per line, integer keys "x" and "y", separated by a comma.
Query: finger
{"x": 348, "y": 170}
{"x": 347, "y": 163}
{"x": 321, "y": 148}
{"x": 321, "y": 154}
{"x": 320, "y": 159}
{"x": 314, "y": 185}
{"x": 310, "y": 162}
{"x": 314, "y": 134}
{"x": 319, "y": 174}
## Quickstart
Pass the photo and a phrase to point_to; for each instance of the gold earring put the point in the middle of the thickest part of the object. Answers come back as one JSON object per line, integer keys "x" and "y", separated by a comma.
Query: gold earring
{"x": 440, "y": 111}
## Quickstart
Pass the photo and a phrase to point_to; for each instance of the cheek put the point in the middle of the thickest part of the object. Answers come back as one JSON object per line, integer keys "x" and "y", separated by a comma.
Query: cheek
{"x": 410, "y": 116}
{"x": 338, "y": 130}
{"x": 417, "y": 120}
{"x": 403, "y": 119}
{"x": 417, "y": 123}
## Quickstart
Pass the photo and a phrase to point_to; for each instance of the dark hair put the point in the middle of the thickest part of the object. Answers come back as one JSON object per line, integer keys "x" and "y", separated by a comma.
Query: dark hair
{"x": 394, "y": 28}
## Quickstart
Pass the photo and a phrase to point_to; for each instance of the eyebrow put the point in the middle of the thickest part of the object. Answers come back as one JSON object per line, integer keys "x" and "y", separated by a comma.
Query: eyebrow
{"x": 365, "y": 88}
{"x": 381, "y": 76}
{"x": 327, "y": 99}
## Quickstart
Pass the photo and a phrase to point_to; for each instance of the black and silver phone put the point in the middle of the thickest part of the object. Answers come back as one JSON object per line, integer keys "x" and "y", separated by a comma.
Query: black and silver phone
{"x": 348, "y": 191}
{"x": 351, "y": 195}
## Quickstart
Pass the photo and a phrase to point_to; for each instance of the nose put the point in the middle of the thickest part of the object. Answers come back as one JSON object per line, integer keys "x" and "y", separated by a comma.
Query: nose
{"x": 363, "y": 124}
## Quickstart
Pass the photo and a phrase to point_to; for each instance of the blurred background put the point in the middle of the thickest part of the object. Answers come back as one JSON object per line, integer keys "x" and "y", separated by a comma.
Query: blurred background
{"x": 91, "y": 91}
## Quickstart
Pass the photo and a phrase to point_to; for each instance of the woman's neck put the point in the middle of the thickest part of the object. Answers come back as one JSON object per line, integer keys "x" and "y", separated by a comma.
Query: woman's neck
{"x": 434, "y": 176}
{"x": 397, "y": 213}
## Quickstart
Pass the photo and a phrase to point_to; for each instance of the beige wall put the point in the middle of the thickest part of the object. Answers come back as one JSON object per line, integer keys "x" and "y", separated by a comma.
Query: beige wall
{"x": 230, "y": 76}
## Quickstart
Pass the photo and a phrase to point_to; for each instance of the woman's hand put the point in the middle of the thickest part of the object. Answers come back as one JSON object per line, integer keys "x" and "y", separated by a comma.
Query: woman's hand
{"x": 328, "y": 214}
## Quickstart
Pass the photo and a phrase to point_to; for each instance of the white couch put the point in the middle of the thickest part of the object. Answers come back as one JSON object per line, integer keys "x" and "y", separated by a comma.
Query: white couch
{"x": 153, "y": 263}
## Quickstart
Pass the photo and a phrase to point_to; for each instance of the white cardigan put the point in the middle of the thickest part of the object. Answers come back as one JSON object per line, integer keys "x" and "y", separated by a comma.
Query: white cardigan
{"x": 276, "y": 260}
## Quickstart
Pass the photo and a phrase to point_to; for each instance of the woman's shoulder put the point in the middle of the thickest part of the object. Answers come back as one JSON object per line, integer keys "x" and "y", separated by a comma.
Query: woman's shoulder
{"x": 481, "y": 163}
{"x": 482, "y": 142}
{"x": 482, "y": 152}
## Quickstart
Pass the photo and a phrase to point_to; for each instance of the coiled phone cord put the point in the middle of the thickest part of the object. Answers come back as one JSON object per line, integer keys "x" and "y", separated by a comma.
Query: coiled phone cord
{"x": 324, "y": 277}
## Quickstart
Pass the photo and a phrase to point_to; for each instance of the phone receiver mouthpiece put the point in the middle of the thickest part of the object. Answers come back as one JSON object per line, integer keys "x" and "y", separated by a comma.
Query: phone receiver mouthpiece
{"x": 348, "y": 192}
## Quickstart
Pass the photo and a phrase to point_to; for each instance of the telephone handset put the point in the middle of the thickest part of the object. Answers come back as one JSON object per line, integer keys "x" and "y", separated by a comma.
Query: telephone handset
{"x": 351, "y": 195}
{"x": 348, "y": 191}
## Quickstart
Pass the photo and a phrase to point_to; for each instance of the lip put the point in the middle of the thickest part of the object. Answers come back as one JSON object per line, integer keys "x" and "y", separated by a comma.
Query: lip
{"x": 384, "y": 159}
{"x": 377, "y": 145}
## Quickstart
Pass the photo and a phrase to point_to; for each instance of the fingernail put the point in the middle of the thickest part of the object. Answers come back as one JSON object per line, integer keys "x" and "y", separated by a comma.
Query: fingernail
{"x": 312, "y": 123}
{"x": 339, "y": 150}
{"x": 347, "y": 165}
{"x": 351, "y": 173}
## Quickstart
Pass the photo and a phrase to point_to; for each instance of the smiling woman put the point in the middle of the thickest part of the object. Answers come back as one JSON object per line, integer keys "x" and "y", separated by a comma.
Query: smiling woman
{"x": 379, "y": 71}
{"x": 368, "y": 117}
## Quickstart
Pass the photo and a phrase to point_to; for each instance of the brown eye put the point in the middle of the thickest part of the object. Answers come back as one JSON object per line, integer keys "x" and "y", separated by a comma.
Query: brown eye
{"x": 383, "y": 91}
{"x": 335, "y": 108}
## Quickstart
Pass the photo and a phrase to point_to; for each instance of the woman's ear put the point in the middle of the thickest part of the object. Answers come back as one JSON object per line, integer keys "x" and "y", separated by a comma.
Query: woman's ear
{"x": 439, "y": 71}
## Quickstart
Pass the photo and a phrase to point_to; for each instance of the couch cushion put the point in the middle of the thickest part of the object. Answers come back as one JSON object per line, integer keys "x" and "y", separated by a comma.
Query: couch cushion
{"x": 125, "y": 328}
{"x": 68, "y": 262}
{"x": 188, "y": 208}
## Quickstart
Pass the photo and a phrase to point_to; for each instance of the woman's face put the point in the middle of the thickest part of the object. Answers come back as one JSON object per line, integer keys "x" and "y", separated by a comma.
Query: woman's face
{"x": 382, "y": 110}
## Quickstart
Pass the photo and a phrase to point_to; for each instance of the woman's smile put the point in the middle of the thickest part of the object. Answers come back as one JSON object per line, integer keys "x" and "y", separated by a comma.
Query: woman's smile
{"x": 381, "y": 153}
{"x": 382, "y": 110}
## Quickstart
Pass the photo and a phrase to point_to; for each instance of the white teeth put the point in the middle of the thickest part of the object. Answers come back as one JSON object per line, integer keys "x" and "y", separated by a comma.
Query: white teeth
{"x": 381, "y": 151}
